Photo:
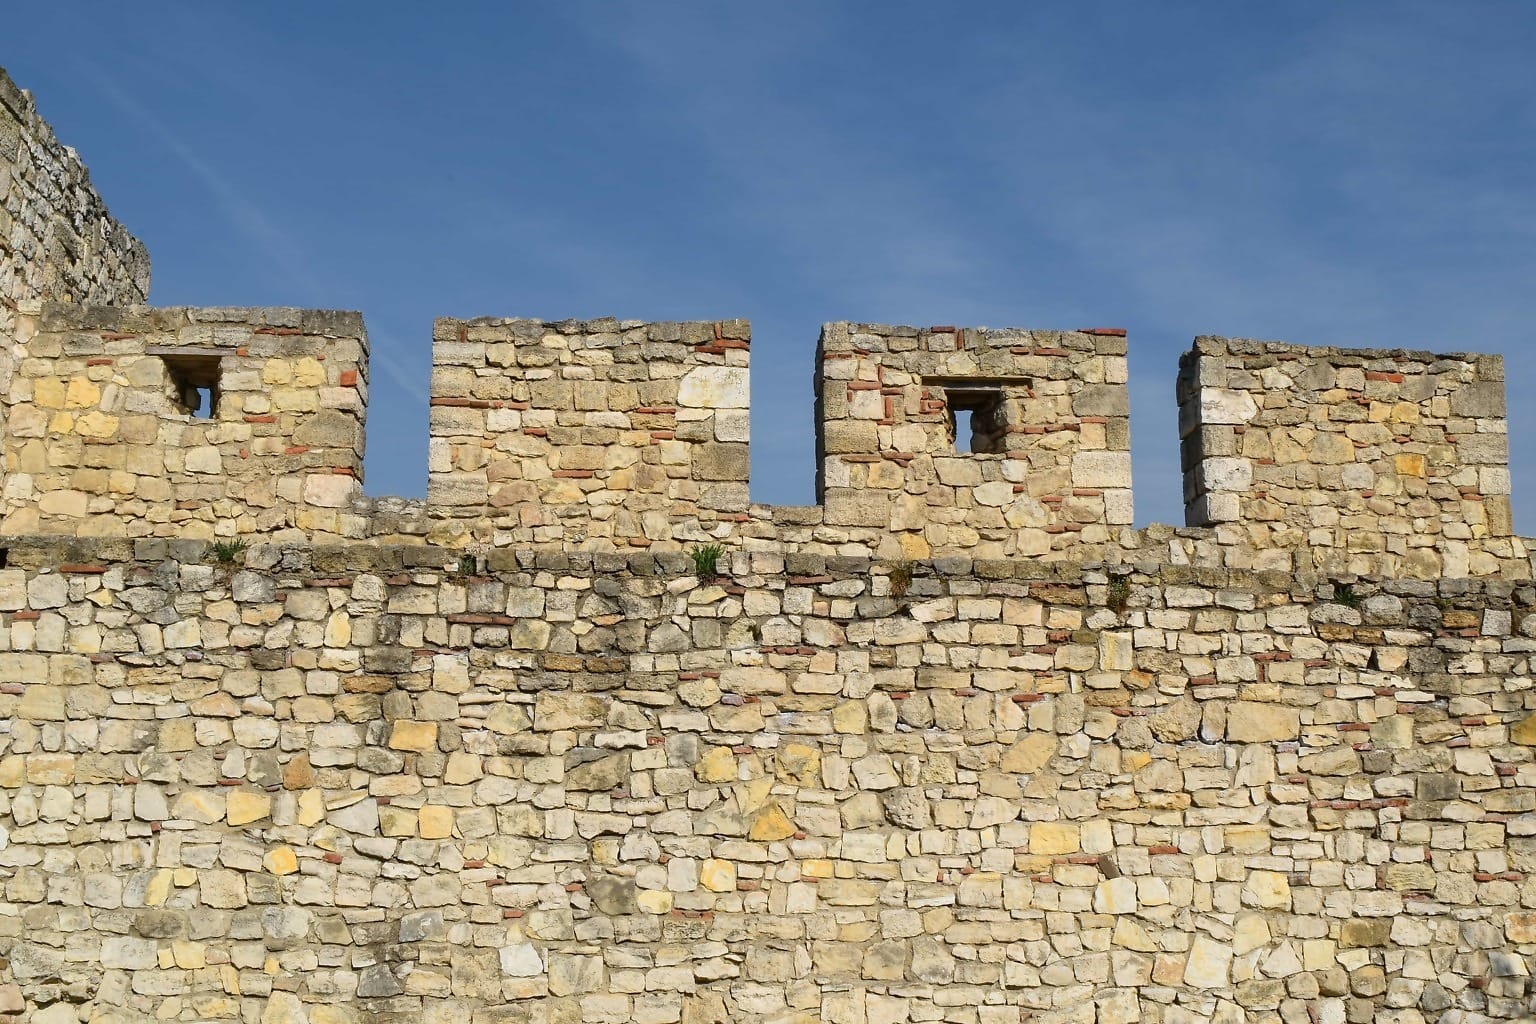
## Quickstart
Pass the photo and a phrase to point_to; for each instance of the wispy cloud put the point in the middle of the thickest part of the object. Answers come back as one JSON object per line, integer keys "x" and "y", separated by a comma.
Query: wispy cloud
{"x": 286, "y": 255}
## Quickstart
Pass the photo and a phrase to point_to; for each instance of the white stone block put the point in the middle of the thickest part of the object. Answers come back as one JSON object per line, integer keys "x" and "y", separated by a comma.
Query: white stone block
{"x": 714, "y": 387}
{"x": 1226, "y": 406}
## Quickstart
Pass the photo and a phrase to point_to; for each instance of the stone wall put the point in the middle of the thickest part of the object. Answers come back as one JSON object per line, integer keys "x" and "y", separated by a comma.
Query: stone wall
{"x": 1047, "y": 465}
{"x": 355, "y": 785}
{"x": 614, "y": 435}
{"x": 57, "y": 240}
{"x": 106, "y": 438}
{"x": 957, "y": 744}
{"x": 1371, "y": 460}
{"x": 600, "y": 433}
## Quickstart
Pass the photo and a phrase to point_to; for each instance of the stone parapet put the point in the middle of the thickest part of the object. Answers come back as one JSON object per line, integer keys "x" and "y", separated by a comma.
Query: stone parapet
{"x": 1393, "y": 458}
{"x": 997, "y": 441}
{"x": 601, "y": 433}
{"x": 137, "y": 421}
{"x": 57, "y": 240}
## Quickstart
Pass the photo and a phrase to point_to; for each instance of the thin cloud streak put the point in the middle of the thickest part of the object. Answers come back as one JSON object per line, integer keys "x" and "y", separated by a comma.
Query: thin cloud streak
{"x": 287, "y": 256}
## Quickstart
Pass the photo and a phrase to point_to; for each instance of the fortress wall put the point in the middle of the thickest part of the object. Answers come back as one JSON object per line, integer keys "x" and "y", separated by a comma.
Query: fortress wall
{"x": 1047, "y": 465}
{"x": 105, "y": 437}
{"x": 594, "y": 434}
{"x": 346, "y": 785}
{"x": 1390, "y": 458}
{"x": 885, "y": 770}
{"x": 57, "y": 240}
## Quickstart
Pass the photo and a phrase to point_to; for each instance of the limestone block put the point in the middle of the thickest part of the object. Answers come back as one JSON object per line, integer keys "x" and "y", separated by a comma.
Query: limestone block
{"x": 718, "y": 461}
{"x": 1030, "y": 754}
{"x": 1267, "y": 889}
{"x": 419, "y": 737}
{"x": 1225, "y": 474}
{"x": 328, "y": 490}
{"x": 128, "y": 953}
{"x": 1226, "y": 406}
{"x": 1253, "y": 722}
{"x": 1115, "y": 896}
{"x": 714, "y": 387}
{"x": 1053, "y": 838}
{"x": 521, "y": 960}
{"x": 1209, "y": 963}
{"x": 244, "y": 806}
{"x": 1101, "y": 469}
{"x": 1365, "y": 932}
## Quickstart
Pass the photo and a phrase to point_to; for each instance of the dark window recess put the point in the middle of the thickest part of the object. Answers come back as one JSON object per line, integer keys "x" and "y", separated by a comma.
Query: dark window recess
{"x": 978, "y": 417}
{"x": 196, "y": 379}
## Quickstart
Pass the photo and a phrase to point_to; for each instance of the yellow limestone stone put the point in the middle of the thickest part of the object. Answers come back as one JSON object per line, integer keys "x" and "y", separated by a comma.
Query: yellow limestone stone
{"x": 13, "y": 771}
{"x": 1524, "y": 733}
{"x": 246, "y": 806}
{"x": 772, "y": 824}
{"x": 311, "y": 807}
{"x": 851, "y": 718}
{"x": 420, "y": 737}
{"x": 436, "y": 822}
{"x": 308, "y": 373}
{"x": 816, "y": 869}
{"x": 397, "y": 821}
{"x": 1520, "y": 926}
{"x": 1268, "y": 889}
{"x": 81, "y": 394}
{"x": 189, "y": 956}
{"x": 1208, "y": 964}
{"x": 1030, "y": 754}
{"x": 799, "y": 763}
{"x": 338, "y": 630}
{"x": 719, "y": 765}
{"x": 49, "y": 393}
{"x": 96, "y": 424}
{"x": 654, "y": 901}
{"x": 718, "y": 875}
{"x": 158, "y": 890}
{"x": 1050, "y": 838}
{"x": 281, "y": 861}
{"x": 1130, "y": 935}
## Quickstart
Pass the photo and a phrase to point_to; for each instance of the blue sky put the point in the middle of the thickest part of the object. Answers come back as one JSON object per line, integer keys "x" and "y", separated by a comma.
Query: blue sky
{"x": 1322, "y": 173}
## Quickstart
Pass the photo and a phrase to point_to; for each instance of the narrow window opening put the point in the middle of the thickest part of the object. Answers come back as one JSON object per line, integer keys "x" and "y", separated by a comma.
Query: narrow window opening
{"x": 978, "y": 410}
{"x": 963, "y": 428}
{"x": 194, "y": 380}
{"x": 201, "y": 402}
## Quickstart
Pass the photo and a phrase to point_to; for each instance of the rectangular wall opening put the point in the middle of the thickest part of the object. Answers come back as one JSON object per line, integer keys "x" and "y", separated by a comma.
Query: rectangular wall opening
{"x": 194, "y": 377}
{"x": 962, "y": 429}
{"x": 977, "y": 411}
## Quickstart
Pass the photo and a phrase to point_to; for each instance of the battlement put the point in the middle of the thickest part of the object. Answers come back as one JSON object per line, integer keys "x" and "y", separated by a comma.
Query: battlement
{"x": 613, "y": 435}
{"x": 1046, "y": 463}
{"x": 958, "y": 743}
{"x": 141, "y": 422}
{"x": 1399, "y": 456}
{"x": 588, "y": 432}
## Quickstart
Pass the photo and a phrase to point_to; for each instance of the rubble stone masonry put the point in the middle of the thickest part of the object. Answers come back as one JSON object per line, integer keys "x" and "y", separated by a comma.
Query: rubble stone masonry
{"x": 960, "y": 743}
